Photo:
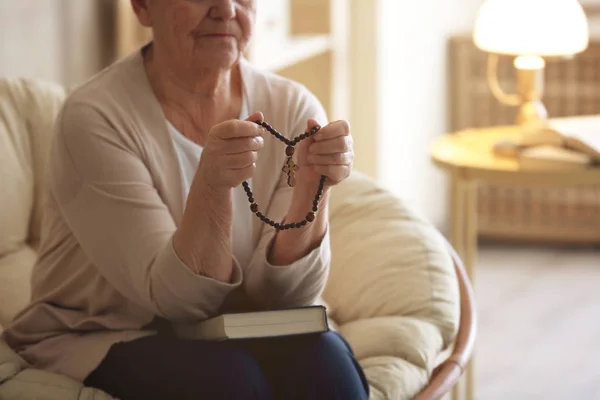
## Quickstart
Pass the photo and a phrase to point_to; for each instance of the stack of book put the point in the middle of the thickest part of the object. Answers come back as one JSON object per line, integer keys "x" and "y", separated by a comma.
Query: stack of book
{"x": 562, "y": 144}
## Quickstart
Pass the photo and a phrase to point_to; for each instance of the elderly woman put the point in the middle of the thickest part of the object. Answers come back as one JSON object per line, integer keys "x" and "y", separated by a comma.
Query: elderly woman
{"x": 147, "y": 221}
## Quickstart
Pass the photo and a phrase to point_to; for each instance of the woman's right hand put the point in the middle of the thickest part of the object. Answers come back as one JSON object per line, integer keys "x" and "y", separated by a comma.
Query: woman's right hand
{"x": 230, "y": 152}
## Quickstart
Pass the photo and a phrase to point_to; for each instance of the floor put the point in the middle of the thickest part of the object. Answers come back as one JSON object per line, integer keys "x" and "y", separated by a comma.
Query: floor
{"x": 539, "y": 313}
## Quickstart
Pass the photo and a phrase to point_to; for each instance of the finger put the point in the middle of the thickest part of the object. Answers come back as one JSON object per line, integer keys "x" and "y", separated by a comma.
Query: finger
{"x": 233, "y": 129}
{"x": 333, "y": 130}
{"x": 331, "y": 159}
{"x": 256, "y": 117}
{"x": 247, "y": 173}
{"x": 240, "y": 161}
{"x": 241, "y": 145}
{"x": 246, "y": 129}
{"x": 304, "y": 145}
{"x": 335, "y": 173}
{"x": 234, "y": 177}
{"x": 341, "y": 144}
{"x": 311, "y": 124}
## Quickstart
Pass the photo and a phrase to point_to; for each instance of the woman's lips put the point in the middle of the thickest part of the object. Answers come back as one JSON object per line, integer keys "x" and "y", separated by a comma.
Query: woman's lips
{"x": 217, "y": 35}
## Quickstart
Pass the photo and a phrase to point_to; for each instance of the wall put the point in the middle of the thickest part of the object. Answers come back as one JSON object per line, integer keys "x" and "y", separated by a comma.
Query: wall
{"x": 63, "y": 41}
{"x": 363, "y": 57}
{"x": 412, "y": 97}
{"x": 31, "y": 39}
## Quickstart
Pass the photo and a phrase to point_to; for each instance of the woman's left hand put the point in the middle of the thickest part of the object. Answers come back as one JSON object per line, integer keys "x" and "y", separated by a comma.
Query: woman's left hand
{"x": 329, "y": 152}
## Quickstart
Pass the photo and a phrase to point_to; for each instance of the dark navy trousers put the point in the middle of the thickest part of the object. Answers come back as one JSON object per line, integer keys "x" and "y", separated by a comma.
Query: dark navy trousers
{"x": 315, "y": 367}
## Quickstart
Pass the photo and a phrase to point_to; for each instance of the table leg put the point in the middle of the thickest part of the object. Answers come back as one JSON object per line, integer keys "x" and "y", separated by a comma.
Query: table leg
{"x": 457, "y": 204}
{"x": 464, "y": 240}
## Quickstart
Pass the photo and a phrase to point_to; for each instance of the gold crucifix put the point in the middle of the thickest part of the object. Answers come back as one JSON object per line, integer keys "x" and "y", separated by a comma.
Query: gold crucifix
{"x": 290, "y": 169}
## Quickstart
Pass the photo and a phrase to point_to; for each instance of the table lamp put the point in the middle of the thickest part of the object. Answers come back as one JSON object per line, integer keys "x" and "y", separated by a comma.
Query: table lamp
{"x": 529, "y": 30}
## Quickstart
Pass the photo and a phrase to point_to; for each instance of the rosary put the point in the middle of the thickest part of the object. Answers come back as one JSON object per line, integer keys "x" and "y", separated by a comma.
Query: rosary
{"x": 290, "y": 169}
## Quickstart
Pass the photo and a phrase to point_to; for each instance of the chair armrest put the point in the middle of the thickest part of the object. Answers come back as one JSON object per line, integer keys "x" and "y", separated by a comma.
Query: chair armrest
{"x": 447, "y": 374}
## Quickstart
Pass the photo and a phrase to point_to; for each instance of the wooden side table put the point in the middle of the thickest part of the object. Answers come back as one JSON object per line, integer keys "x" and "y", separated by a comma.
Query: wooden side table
{"x": 468, "y": 158}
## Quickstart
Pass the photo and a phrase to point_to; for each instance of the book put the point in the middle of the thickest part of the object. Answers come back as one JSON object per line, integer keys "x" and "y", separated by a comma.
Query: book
{"x": 577, "y": 134}
{"x": 552, "y": 158}
{"x": 558, "y": 144}
{"x": 260, "y": 324}
{"x": 542, "y": 157}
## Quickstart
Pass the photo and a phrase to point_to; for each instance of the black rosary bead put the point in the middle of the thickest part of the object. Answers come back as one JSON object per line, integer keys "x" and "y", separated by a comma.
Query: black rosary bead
{"x": 289, "y": 151}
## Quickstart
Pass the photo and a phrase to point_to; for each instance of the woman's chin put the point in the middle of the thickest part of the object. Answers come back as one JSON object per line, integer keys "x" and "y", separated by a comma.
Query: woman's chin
{"x": 219, "y": 59}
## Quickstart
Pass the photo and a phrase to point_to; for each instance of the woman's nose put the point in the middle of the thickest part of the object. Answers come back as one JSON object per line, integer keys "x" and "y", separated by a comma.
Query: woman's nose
{"x": 223, "y": 9}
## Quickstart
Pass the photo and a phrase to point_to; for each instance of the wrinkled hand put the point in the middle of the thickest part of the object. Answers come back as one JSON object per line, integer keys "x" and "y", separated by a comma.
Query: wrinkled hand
{"x": 328, "y": 152}
{"x": 230, "y": 152}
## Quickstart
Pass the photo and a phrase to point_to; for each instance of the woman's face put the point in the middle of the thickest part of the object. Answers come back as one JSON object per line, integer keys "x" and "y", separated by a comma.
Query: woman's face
{"x": 200, "y": 33}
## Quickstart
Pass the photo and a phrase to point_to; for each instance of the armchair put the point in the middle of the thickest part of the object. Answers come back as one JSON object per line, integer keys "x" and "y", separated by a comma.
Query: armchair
{"x": 397, "y": 291}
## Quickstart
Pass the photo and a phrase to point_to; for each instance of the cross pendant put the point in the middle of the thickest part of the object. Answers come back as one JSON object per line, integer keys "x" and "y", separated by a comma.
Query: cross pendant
{"x": 290, "y": 169}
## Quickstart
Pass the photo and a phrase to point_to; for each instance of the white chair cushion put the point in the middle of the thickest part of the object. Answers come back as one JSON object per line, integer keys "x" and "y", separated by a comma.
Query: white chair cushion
{"x": 396, "y": 353}
{"x": 10, "y": 363}
{"x": 393, "y": 289}
{"x": 20, "y": 382}
{"x": 393, "y": 378}
{"x": 34, "y": 384}
{"x": 15, "y": 173}
{"x": 27, "y": 113}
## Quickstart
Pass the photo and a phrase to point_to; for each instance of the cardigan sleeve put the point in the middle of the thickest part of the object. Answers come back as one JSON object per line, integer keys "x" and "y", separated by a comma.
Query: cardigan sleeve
{"x": 302, "y": 282}
{"x": 107, "y": 197}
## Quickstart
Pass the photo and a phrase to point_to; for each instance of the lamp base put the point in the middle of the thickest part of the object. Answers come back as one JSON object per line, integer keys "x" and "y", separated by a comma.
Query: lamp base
{"x": 530, "y": 86}
{"x": 532, "y": 112}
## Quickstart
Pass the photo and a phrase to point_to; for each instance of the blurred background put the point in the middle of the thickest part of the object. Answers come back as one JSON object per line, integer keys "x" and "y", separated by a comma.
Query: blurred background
{"x": 406, "y": 73}
{"x": 380, "y": 64}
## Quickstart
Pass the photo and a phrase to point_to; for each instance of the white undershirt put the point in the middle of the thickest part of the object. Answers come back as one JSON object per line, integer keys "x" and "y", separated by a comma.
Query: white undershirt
{"x": 189, "y": 154}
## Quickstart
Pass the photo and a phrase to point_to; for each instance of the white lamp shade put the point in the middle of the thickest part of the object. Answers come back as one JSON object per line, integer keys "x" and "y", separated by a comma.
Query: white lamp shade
{"x": 532, "y": 27}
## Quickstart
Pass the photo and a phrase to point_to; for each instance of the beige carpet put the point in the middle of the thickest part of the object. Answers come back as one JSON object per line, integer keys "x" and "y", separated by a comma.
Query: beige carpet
{"x": 539, "y": 311}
